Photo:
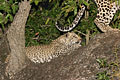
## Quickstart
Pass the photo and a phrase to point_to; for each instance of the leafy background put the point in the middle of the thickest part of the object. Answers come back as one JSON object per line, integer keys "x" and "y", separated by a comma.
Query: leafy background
{"x": 7, "y": 11}
{"x": 40, "y": 27}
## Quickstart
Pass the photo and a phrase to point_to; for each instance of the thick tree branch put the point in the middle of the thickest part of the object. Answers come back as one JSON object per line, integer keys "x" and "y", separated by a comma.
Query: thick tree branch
{"x": 16, "y": 38}
{"x": 79, "y": 65}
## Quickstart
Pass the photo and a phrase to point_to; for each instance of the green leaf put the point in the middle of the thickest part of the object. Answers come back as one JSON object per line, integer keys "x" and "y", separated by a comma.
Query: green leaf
{"x": 66, "y": 7}
{"x": 2, "y": 7}
{"x": 36, "y": 2}
{"x": 6, "y": 20}
{"x": 86, "y": 3}
{"x": 115, "y": 17}
{"x": 68, "y": 20}
{"x": 1, "y": 1}
{"x": 75, "y": 11}
{"x": 14, "y": 8}
{"x": 11, "y": 18}
{"x": 7, "y": 8}
{"x": 11, "y": 1}
{"x": 50, "y": 0}
{"x": 1, "y": 18}
{"x": 103, "y": 76}
{"x": 47, "y": 21}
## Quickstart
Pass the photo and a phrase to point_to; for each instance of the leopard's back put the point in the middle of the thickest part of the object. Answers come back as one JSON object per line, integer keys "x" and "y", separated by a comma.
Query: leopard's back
{"x": 39, "y": 54}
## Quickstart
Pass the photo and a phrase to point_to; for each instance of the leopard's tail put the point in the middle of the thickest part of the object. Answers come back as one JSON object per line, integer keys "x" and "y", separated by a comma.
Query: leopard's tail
{"x": 74, "y": 23}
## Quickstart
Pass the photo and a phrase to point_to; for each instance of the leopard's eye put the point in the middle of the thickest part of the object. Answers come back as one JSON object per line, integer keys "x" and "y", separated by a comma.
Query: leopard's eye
{"x": 75, "y": 36}
{"x": 66, "y": 35}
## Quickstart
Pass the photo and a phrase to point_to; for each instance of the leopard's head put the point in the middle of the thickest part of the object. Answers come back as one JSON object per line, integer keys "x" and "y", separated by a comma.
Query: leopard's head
{"x": 70, "y": 38}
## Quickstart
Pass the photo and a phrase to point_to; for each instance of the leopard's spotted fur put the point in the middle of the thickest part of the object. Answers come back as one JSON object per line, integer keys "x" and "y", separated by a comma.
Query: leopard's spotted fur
{"x": 106, "y": 11}
{"x": 62, "y": 45}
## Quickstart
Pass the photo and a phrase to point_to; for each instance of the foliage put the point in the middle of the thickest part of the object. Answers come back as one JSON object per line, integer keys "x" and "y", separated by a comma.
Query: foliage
{"x": 7, "y": 11}
{"x": 46, "y": 13}
{"x": 102, "y": 76}
{"x": 40, "y": 27}
{"x": 102, "y": 62}
{"x": 111, "y": 68}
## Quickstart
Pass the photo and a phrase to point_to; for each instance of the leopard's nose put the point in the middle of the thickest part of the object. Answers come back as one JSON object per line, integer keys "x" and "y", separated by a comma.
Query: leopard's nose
{"x": 80, "y": 39}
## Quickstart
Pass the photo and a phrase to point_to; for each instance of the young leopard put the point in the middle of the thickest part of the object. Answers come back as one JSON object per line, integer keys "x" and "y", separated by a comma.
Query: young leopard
{"x": 106, "y": 11}
{"x": 62, "y": 45}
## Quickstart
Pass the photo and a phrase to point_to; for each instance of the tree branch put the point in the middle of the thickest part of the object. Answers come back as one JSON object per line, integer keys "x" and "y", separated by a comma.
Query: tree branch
{"x": 79, "y": 65}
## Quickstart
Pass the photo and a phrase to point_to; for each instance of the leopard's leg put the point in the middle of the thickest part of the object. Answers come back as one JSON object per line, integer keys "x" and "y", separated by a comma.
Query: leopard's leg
{"x": 103, "y": 27}
{"x": 105, "y": 14}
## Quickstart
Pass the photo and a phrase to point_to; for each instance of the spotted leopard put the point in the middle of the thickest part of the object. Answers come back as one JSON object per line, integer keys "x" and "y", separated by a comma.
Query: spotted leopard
{"x": 106, "y": 11}
{"x": 62, "y": 45}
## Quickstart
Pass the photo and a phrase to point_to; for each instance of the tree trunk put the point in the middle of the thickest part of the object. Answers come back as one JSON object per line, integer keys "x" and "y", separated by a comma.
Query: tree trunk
{"x": 4, "y": 48}
{"x": 16, "y": 38}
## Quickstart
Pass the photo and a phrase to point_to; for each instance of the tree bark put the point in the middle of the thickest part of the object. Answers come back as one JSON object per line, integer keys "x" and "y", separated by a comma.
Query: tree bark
{"x": 4, "y": 48}
{"x": 16, "y": 38}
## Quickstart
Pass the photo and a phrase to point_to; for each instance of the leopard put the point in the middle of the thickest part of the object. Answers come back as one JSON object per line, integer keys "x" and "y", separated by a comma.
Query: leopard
{"x": 63, "y": 45}
{"x": 105, "y": 13}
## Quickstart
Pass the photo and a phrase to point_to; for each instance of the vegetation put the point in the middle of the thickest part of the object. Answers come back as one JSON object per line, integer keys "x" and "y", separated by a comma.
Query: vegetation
{"x": 7, "y": 11}
{"x": 40, "y": 27}
{"x": 111, "y": 69}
